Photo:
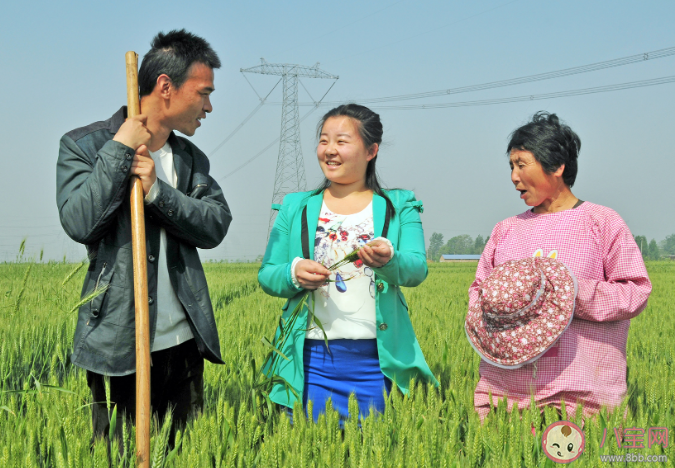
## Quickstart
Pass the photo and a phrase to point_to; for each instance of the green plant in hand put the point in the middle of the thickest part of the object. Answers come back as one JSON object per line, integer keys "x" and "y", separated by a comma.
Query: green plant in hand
{"x": 269, "y": 376}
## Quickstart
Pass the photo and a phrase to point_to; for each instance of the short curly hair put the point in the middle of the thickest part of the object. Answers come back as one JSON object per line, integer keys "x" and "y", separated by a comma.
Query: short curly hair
{"x": 552, "y": 143}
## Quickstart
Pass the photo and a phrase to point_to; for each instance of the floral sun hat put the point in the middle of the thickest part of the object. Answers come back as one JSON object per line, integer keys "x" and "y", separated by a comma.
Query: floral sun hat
{"x": 522, "y": 309}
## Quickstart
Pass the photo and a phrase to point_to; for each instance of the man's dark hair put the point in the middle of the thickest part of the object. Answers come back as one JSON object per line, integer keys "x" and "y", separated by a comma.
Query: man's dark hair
{"x": 370, "y": 131}
{"x": 173, "y": 54}
{"x": 551, "y": 142}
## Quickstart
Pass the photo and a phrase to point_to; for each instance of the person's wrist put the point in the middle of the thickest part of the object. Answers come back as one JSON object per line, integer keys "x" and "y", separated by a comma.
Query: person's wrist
{"x": 294, "y": 277}
{"x": 388, "y": 243}
{"x": 152, "y": 193}
{"x": 124, "y": 141}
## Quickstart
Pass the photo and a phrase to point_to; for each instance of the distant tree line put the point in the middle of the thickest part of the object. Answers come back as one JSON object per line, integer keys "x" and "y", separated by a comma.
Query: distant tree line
{"x": 458, "y": 245}
{"x": 652, "y": 250}
{"x": 465, "y": 245}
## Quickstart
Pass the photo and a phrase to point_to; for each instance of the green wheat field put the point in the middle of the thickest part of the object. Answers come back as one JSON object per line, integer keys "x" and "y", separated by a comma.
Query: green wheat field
{"x": 45, "y": 418}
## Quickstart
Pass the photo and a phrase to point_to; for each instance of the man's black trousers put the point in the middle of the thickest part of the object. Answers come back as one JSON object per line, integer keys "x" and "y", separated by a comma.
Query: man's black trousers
{"x": 176, "y": 383}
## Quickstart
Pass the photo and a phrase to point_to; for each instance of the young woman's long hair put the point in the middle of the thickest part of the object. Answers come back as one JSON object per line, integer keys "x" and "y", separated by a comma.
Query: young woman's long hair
{"x": 370, "y": 130}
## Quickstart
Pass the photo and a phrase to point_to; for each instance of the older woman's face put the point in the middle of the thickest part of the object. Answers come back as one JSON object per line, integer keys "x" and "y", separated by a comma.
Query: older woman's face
{"x": 528, "y": 176}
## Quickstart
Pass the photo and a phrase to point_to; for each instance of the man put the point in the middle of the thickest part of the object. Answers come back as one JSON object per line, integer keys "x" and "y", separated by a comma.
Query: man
{"x": 184, "y": 210}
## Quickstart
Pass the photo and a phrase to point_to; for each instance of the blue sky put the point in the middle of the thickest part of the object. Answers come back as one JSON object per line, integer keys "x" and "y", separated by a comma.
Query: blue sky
{"x": 64, "y": 68}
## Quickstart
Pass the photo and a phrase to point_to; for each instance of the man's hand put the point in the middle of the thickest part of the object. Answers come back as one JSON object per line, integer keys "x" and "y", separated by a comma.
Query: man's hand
{"x": 376, "y": 254}
{"x": 144, "y": 167}
{"x": 133, "y": 132}
{"x": 310, "y": 274}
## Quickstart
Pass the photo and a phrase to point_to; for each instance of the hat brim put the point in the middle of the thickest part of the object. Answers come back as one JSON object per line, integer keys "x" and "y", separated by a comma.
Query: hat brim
{"x": 482, "y": 345}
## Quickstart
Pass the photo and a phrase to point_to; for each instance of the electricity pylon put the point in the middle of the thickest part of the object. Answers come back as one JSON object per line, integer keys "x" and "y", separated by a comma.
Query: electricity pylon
{"x": 290, "y": 173}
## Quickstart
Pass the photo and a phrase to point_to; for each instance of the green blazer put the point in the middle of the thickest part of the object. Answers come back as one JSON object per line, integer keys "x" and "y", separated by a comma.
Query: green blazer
{"x": 399, "y": 352}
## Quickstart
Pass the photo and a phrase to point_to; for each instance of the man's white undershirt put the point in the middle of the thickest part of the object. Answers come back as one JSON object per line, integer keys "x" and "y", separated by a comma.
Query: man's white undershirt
{"x": 172, "y": 325}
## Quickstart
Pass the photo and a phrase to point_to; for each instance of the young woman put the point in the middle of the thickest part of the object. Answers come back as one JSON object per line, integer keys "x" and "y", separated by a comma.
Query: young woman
{"x": 360, "y": 305}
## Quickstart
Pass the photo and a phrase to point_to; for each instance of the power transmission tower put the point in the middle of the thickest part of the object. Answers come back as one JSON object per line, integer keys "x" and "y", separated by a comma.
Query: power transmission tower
{"x": 290, "y": 173}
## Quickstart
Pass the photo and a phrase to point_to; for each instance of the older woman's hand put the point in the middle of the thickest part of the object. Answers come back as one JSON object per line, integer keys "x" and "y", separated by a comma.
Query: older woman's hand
{"x": 310, "y": 274}
{"x": 375, "y": 254}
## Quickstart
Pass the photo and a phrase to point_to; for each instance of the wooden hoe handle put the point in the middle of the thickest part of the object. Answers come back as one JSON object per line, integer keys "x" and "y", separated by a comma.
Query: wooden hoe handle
{"x": 140, "y": 286}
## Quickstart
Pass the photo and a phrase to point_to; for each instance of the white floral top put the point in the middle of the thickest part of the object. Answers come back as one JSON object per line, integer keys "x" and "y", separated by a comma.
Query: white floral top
{"x": 346, "y": 304}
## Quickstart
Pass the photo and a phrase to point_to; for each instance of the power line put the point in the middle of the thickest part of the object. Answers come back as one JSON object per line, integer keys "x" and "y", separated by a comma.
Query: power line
{"x": 536, "y": 97}
{"x": 276, "y": 140}
{"x": 251, "y": 85}
{"x": 637, "y": 58}
{"x": 260, "y": 153}
{"x": 486, "y": 102}
{"x": 243, "y": 122}
{"x": 248, "y": 117}
{"x": 290, "y": 172}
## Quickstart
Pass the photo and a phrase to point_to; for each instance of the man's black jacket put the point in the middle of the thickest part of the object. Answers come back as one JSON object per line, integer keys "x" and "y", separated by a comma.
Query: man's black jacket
{"x": 92, "y": 194}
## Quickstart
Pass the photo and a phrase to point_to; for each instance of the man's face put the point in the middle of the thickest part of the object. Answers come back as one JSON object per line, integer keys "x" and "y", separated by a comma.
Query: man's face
{"x": 190, "y": 103}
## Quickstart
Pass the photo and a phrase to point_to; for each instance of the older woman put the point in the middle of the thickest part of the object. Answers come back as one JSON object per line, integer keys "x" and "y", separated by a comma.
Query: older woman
{"x": 587, "y": 363}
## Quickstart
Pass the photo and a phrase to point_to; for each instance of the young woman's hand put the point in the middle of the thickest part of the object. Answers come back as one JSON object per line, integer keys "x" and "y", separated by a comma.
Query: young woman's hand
{"x": 310, "y": 274}
{"x": 375, "y": 254}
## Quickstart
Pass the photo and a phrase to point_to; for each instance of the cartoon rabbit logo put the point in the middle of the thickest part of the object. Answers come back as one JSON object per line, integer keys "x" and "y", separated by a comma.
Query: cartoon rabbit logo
{"x": 563, "y": 442}
{"x": 540, "y": 253}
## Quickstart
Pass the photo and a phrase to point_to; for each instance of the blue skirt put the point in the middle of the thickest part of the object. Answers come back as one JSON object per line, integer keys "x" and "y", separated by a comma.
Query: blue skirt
{"x": 352, "y": 366}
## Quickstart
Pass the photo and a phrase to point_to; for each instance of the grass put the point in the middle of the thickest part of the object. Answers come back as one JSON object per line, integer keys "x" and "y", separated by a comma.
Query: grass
{"x": 45, "y": 419}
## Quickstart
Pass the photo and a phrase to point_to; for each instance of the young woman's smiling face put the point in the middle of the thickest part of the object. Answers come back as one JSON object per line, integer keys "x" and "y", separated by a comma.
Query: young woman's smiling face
{"x": 342, "y": 154}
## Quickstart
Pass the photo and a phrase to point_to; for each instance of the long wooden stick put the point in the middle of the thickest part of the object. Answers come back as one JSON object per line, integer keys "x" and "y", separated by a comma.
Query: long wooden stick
{"x": 140, "y": 286}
